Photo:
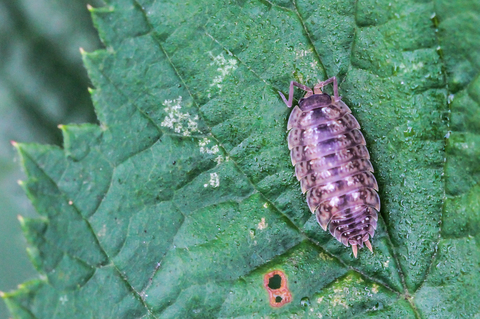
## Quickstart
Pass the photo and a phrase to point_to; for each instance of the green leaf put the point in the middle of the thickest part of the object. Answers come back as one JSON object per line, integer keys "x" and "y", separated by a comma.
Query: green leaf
{"x": 184, "y": 199}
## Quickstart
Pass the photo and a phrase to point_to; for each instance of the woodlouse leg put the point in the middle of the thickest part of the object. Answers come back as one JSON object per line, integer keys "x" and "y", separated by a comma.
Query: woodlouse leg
{"x": 290, "y": 92}
{"x": 335, "y": 87}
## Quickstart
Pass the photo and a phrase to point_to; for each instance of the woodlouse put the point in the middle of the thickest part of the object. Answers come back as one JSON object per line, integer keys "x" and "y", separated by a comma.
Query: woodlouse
{"x": 333, "y": 165}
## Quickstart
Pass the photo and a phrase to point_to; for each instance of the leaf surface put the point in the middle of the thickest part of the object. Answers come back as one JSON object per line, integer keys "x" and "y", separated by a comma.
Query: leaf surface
{"x": 184, "y": 197}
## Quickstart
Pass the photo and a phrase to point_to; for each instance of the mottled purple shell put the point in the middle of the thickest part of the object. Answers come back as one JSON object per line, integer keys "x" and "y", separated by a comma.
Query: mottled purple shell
{"x": 333, "y": 167}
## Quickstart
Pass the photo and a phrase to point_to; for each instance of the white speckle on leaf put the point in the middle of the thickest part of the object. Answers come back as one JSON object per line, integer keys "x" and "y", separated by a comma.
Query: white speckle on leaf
{"x": 303, "y": 53}
{"x": 385, "y": 264}
{"x": 262, "y": 224}
{"x": 204, "y": 149}
{"x": 63, "y": 299}
{"x": 102, "y": 231}
{"x": 265, "y": 205}
{"x": 450, "y": 98}
{"x": 219, "y": 159}
{"x": 375, "y": 288}
{"x": 214, "y": 181}
{"x": 224, "y": 67}
{"x": 467, "y": 145}
{"x": 70, "y": 202}
{"x": 182, "y": 123}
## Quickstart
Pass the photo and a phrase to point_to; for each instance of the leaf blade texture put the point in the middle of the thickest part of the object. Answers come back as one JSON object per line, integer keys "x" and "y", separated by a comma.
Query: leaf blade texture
{"x": 184, "y": 196}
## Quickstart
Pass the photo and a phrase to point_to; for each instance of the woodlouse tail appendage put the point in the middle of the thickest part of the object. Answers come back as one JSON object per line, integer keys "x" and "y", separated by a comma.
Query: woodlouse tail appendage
{"x": 333, "y": 165}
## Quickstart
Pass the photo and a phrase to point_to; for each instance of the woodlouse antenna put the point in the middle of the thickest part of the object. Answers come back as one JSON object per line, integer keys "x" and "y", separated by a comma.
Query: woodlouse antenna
{"x": 290, "y": 92}
{"x": 320, "y": 85}
{"x": 316, "y": 90}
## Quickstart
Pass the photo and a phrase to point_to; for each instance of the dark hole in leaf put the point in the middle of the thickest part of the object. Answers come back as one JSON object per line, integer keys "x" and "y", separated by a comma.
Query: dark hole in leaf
{"x": 275, "y": 282}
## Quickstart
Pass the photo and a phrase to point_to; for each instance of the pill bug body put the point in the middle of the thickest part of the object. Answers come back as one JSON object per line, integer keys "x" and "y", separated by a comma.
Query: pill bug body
{"x": 333, "y": 165}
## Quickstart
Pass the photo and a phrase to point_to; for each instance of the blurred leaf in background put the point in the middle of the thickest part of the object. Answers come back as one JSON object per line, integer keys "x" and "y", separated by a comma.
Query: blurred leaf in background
{"x": 42, "y": 84}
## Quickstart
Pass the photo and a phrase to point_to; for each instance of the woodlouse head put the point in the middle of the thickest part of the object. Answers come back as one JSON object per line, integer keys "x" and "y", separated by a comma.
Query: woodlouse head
{"x": 314, "y": 102}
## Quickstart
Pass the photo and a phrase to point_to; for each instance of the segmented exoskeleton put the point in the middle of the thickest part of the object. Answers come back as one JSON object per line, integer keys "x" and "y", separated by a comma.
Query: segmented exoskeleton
{"x": 332, "y": 165}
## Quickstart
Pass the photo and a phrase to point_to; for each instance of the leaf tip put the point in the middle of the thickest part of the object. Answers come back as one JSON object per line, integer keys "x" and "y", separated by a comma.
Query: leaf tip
{"x": 14, "y": 144}
{"x": 82, "y": 51}
{"x": 90, "y": 90}
{"x": 20, "y": 182}
{"x": 89, "y": 7}
{"x": 21, "y": 219}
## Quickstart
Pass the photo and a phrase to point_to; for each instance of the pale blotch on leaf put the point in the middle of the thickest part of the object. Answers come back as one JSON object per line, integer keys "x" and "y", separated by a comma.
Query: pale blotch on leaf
{"x": 63, "y": 299}
{"x": 339, "y": 299}
{"x": 408, "y": 68}
{"x": 214, "y": 181}
{"x": 102, "y": 231}
{"x": 385, "y": 264}
{"x": 181, "y": 123}
{"x": 348, "y": 291}
{"x": 324, "y": 256}
{"x": 220, "y": 159}
{"x": 305, "y": 60}
{"x": 262, "y": 224}
{"x": 303, "y": 53}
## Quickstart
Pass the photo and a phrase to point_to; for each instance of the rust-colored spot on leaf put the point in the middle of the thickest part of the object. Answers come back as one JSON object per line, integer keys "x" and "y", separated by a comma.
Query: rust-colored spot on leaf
{"x": 276, "y": 284}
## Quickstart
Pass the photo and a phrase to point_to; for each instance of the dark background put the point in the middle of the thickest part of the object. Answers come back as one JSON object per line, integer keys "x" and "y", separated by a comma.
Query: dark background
{"x": 42, "y": 84}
